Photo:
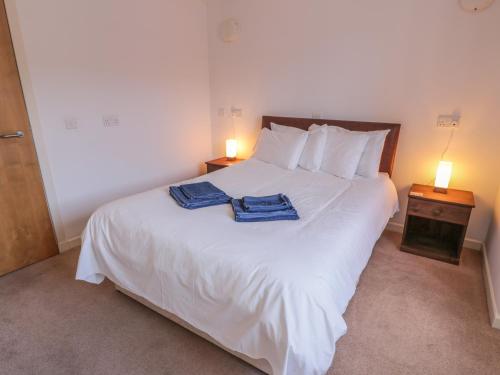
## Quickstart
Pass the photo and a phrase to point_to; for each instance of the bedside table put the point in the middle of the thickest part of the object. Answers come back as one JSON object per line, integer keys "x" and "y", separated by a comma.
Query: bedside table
{"x": 436, "y": 223}
{"x": 215, "y": 165}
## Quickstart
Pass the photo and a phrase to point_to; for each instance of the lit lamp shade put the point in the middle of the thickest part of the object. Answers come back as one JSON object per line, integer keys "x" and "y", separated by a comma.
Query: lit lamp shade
{"x": 231, "y": 149}
{"x": 443, "y": 176}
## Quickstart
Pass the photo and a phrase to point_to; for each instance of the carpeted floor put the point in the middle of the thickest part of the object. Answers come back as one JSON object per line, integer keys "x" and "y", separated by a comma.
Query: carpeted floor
{"x": 410, "y": 315}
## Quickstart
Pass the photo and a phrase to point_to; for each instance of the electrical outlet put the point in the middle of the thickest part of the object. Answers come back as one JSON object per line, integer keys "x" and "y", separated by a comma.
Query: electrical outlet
{"x": 446, "y": 121}
{"x": 110, "y": 121}
{"x": 71, "y": 123}
{"x": 236, "y": 112}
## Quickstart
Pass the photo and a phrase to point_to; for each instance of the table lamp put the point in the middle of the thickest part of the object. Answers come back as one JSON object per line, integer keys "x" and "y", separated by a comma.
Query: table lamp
{"x": 443, "y": 176}
{"x": 231, "y": 149}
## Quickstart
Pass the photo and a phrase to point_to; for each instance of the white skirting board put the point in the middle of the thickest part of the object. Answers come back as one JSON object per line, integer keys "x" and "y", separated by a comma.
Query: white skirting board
{"x": 490, "y": 293}
{"x": 469, "y": 243}
{"x": 69, "y": 244}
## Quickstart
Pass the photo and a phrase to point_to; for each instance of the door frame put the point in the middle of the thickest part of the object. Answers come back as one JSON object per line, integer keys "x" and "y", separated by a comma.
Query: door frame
{"x": 34, "y": 119}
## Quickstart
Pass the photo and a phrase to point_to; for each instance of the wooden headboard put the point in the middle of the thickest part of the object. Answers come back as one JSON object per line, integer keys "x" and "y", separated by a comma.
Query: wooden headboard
{"x": 391, "y": 141}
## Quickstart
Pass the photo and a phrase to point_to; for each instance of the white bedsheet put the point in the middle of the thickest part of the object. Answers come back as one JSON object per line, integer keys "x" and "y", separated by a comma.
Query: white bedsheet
{"x": 274, "y": 290}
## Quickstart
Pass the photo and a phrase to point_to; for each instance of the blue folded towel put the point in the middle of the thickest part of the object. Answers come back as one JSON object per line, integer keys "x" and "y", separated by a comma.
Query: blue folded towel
{"x": 241, "y": 215}
{"x": 191, "y": 204}
{"x": 265, "y": 204}
{"x": 201, "y": 190}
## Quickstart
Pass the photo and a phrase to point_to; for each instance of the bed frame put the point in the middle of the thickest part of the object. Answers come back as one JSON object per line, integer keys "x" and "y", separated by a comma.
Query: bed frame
{"x": 391, "y": 141}
{"x": 386, "y": 165}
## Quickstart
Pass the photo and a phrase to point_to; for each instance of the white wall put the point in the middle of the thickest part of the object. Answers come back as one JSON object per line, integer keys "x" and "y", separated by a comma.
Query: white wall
{"x": 493, "y": 262}
{"x": 388, "y": 60}
{"x": 146, "y": 62}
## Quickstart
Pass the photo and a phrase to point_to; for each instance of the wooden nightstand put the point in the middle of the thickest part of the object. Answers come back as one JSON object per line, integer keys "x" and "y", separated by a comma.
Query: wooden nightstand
{"x": 215, "y": 165}
{"x": 436, "y": 223}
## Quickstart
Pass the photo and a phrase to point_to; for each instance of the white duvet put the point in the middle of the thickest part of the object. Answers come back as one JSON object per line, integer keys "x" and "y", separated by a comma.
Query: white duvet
{"x": 274, "y": 290}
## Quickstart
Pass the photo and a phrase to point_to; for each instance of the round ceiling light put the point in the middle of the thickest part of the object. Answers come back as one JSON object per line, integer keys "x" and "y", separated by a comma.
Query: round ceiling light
{"x": 475, "y": 6}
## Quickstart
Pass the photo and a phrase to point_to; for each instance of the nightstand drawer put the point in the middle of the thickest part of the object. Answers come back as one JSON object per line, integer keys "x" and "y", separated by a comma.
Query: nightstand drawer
{"x": 212, "y": 168}
{"x": 215, "y": 165}
{"x": 439, "y": 211}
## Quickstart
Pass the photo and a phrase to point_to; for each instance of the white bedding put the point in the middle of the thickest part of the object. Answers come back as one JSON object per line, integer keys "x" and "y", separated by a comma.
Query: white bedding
{"x": 274, "y": 290}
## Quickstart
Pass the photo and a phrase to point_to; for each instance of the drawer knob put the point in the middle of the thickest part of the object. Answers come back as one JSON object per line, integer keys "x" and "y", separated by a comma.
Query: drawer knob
{"x": 437, "y": 211}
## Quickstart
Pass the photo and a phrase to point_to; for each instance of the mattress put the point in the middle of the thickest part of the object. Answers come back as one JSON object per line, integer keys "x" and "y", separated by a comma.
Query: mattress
{"x": 275, "y": 290}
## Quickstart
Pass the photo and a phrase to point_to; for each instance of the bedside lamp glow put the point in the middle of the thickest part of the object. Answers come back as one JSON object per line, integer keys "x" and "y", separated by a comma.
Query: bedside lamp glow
{"x": 231, "y": 149}
{"x": 443, "y": 176}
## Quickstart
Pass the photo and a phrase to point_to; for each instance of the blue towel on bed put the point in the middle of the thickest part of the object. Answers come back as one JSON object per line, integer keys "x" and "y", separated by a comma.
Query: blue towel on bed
{"x": 201, "y": 190}
{"x": 265, "y": 204}
{"x": 241, "y": 215}
{"x": 191, "y": 204}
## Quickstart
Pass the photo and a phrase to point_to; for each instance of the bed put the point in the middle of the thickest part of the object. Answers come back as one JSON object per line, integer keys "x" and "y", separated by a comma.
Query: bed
{"x": 273, "y": 293}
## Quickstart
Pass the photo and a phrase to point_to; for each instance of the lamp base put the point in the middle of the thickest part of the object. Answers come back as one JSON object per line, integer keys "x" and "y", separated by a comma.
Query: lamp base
{"x": 230, "y": 159}
{"x": 441, "y": 190}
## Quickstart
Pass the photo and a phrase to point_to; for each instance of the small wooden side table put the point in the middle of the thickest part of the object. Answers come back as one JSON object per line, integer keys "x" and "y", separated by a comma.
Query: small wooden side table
{"x": 215, "y": 165}
{"x": 436, "y": 223}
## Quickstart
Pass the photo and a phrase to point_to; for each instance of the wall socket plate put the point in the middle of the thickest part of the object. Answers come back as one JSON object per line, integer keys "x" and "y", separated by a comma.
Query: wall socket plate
{"x": 71, "y": 123}
{"x": 110, "y": 121}
{"x": 447, "y": 121}
{"x": 236, "y": 112}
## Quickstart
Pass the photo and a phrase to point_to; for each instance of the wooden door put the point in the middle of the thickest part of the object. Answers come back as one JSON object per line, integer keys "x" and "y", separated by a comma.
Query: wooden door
{"x": 26, "y": 233}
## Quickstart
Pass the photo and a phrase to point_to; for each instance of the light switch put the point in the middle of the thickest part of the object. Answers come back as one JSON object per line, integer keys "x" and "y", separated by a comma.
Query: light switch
{"x": 110, "y": 121}
{"x": 71, "y": 123}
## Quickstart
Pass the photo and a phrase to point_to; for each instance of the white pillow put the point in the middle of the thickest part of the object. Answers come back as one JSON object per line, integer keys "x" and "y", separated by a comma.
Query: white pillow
{"x": 343, "y": 152}
{"x": 286, "y": 129}
{"x": 313, "y": 150}
{"x": 369, "y": 163}
{"x": 280, "y": 148}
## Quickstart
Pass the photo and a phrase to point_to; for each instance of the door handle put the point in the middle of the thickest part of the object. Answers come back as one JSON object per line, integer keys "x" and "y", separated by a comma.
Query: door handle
{"x": 18, "y": 134}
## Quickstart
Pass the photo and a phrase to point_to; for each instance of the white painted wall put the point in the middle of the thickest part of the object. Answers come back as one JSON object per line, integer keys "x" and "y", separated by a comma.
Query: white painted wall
{"x": 388, "y": 60}
{"x": 493, "y": 257}
{"x": 146, "y": 62}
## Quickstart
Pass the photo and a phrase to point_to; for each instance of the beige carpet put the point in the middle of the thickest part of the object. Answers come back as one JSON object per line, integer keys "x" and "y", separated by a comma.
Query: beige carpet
{"x": 410, "y": 315}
